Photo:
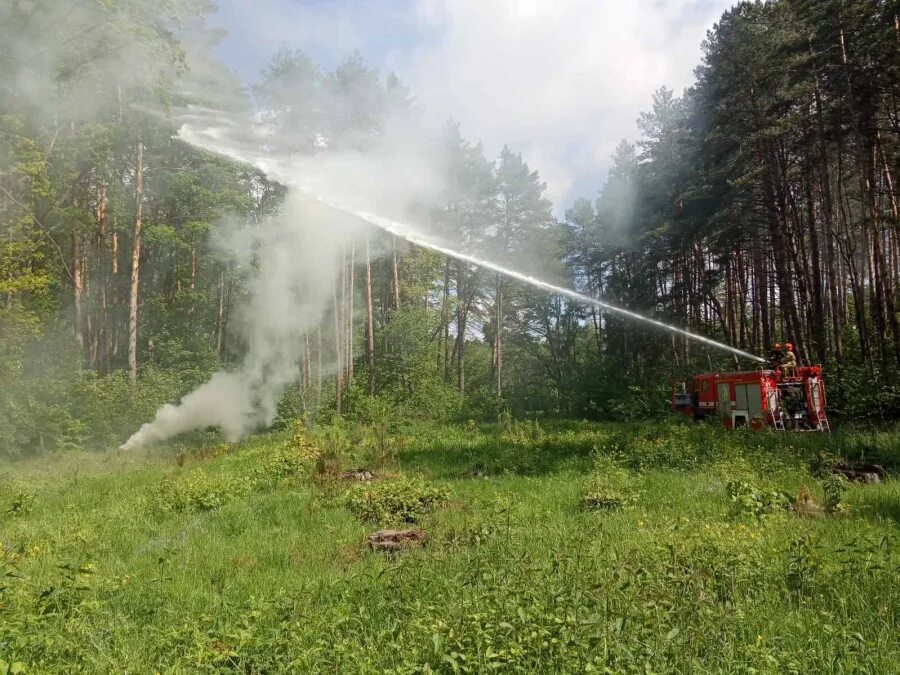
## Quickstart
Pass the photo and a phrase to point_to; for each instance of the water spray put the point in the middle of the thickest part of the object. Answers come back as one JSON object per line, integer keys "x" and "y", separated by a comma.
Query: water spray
{"x": 213, "y": 135}
{"x": 403, "y": 231}
{"x": 300, "y": 250}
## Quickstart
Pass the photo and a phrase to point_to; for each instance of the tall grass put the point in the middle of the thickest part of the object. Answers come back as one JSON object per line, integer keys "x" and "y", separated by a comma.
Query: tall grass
{"x": 210, "y": 558}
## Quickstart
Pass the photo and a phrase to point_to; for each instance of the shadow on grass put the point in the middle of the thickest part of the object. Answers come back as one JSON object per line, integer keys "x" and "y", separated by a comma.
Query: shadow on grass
{"x": 494, "y": 455}
{"x": 532, "y": 450}
{"x": 879, "y": 502}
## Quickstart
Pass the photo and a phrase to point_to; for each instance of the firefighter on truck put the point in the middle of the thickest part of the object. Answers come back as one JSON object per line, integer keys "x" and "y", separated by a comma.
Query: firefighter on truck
{"x": 789, "y": 362}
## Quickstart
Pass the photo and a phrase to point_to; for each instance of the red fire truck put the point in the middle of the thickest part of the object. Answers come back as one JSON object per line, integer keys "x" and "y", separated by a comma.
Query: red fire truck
{"x": 757, "y": 399}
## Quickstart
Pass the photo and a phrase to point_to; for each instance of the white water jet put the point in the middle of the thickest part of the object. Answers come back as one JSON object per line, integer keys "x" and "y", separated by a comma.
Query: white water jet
{"x": 213, "y": 136}
{"x": 295, "y": 283}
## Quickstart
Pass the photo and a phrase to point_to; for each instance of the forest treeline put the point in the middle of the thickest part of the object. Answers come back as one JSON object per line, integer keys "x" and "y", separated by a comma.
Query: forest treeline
{"x": 760, "y": 205}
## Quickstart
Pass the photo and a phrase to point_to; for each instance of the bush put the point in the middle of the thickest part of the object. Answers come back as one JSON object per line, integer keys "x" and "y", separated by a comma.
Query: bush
{"x": 834, "y": 488}
{"x": 802, "y": 566}
{"x": 21, "y": 503}
{"x": 608, "y": 487}
{"x": 298, "y": 457}
{"x": 67, "y": 410}
{"x": 746, "y": 500}
{"x": 525, "y": 433}
{"x": 199, "y": 491}
{"x": 280, "y": 465}
{"x": 380, "y": 420}
{"x": 402, "y": 501}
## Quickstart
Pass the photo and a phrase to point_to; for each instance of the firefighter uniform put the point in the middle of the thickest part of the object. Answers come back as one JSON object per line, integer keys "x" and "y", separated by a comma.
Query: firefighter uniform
{"x": 789, "y": 363}
{"x": 775, "y": 356}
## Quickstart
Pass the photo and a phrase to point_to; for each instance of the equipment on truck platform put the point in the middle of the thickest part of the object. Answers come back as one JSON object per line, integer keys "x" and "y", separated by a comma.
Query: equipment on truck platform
{"x": 783, "y": 396}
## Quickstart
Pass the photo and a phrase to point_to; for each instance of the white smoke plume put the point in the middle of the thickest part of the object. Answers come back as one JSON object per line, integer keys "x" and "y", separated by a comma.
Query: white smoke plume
{"x": 339, "y": 192}
{"x": 301, "y": 250}
{"x": 299, "y": 255}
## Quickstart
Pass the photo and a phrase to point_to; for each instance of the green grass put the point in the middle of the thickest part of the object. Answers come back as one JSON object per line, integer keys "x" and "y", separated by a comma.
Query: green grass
{"x": 266, "y": 570}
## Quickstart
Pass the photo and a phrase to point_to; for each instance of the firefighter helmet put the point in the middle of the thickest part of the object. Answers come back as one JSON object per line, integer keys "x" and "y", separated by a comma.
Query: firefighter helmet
{"x": 789, "y": 346}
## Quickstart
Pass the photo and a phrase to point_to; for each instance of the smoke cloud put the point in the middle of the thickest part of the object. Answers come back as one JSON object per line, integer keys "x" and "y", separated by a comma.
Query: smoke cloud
{"x": 299, "y": 251}
{"x": 289, "y": 295}
{"x": 332, "y": 197}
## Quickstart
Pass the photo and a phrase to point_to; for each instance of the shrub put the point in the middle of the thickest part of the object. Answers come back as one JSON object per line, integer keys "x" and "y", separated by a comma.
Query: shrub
{"x": 834, "y": 488}
{"x": 746, "y": 500}
{"x": 525, "y": 433}
{"x": 608, "y": 487}
{"x": 802, "y": 566}
{"x": 297, "y": 457}
{"x": 199, "y": 491}
{"x": 21, "y": 504}
{"x": 379, "y": 417}
{"x": 302, "y": 445}
{"x": 279, "y": 465}
{"x": 402, "y": 501}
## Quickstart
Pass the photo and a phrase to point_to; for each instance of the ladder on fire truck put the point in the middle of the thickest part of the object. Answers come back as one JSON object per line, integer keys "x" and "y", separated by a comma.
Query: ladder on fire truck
{"x": 777, "y": 421}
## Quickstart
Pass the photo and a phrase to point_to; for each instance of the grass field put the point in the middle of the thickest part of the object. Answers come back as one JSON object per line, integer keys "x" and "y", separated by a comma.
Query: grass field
{"x": 563, "y": 548}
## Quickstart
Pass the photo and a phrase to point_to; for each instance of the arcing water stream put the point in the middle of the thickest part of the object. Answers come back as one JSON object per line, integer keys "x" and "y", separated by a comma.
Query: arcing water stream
{"x": 401, "y": 230}
{"x": 211, "y": 135}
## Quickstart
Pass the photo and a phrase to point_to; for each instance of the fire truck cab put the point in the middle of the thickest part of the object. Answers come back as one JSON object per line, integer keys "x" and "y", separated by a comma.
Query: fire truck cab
{"x": 757, "y": 399}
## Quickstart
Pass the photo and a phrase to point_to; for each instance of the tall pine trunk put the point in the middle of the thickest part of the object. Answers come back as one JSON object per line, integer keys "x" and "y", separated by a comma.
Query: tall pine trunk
{"x": 351, "y": 284}
{"x": 396, "y": 274}
{"x": 339, "y": 375}
{"x": 370, "y": 322}
{"x": 135, "y": 264}
{"x": 445, "y": 320}
{"x": 78, "y": 290}
{"x": 220, "y": 314}
{"x": 103, "y": 349}
{"x": 498, "y": 338}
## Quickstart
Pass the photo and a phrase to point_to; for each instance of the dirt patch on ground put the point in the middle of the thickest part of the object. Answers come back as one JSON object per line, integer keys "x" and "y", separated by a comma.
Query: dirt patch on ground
{"x": 393, "y": 541}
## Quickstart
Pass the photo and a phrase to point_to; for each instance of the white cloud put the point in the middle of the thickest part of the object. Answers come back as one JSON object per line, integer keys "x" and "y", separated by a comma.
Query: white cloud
{"x": 560, "y": 80}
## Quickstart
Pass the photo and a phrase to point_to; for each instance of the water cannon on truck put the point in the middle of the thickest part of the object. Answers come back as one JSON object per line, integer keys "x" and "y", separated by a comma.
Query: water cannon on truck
{"x": 780, "y": 395}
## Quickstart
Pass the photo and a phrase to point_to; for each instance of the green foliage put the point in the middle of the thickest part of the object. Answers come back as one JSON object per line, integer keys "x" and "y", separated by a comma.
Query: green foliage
{"x": 332, "y": 443}
{"x": 253, "y": 572}
{"x": 62, "y": 410}
{"x": 199, "y": 491}
{"x": 834, "y": 488}
{"x": 608, "y": 486}
{"x": 404, "y": 500}
{"x": 22, "y": 503}
{"x": 802, "y": 566}
{"x": 521, "y": 432}
{"x": 283, "y": 464}
{"x": 748, "y": 501}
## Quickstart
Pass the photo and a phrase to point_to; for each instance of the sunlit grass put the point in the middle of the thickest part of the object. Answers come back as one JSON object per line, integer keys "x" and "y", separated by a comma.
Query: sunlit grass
{"x": 516, "y": 573}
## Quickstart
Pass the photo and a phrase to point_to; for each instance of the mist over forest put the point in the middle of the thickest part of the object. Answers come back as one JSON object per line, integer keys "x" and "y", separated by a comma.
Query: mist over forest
{"x": 760, "y": 205}
{"x": 297, "y": 375}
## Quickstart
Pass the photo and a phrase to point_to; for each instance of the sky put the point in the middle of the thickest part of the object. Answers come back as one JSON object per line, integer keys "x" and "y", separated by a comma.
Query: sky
{"x": 561, "y": 81}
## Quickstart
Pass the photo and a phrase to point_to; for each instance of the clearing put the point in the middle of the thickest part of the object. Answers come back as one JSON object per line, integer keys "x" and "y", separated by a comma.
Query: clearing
{"x": 571, "y": 547}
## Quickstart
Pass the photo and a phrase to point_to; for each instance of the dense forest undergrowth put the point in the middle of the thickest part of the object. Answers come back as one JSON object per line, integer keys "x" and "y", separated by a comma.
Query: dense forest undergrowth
{"x": 566, "y": 547}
